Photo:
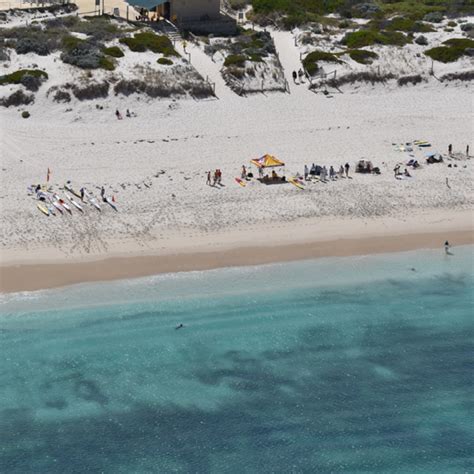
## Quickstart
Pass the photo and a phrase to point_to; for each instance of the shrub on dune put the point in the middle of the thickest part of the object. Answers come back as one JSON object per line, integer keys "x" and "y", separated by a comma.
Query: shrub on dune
{"x": 85, "y": 54}
{"x": 165, "y": 61}
{"x": 38, "y": 45}
{"x": 413, "y": 80}
{"x": 459, "y": 76}
{"x": 4, "y": 54}
{"x": 93, "y": 90}
{"x": 142, "y": 42}
{"x": 237, "y": 60}
{"x": 30, "y": 78}
{"x": 460, "y": 43}
{"x": 17, "y": 98}
{"x": 362, "y": 56}
{"x": 310, "y": 62}
{"x": 62, "y": 96}
{"x": 454, "y": 48}
{"x": 364, "y": 76}
{"x": 113, "y": 51}
{"x": 444, "y": 54}
{"x": 106, "y": 64}
{"x": 401, "y": 23}
{"x": 362, "y": 38}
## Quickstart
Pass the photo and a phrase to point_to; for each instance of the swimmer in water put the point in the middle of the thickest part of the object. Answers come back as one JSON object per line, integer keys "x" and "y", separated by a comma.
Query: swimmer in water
{"x": 179, "y": 326}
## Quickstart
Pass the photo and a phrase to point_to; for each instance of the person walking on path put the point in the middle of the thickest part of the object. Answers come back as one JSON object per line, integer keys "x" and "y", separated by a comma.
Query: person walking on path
{"x": 347, "y": 167}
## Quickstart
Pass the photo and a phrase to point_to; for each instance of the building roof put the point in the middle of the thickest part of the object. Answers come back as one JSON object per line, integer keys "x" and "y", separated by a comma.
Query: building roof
{"x": 148, "y": 4}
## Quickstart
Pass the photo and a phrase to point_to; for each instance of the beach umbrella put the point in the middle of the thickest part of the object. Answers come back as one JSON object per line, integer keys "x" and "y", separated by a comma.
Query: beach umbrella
{"x": 267, "y": 161}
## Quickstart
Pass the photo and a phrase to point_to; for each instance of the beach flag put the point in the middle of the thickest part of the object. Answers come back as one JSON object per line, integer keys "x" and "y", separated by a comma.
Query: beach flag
{"x": 48, "y": 175}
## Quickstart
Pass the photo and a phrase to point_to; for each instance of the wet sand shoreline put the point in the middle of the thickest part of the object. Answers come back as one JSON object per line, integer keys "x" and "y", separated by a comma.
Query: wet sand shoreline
{"x": 31, "y": 276}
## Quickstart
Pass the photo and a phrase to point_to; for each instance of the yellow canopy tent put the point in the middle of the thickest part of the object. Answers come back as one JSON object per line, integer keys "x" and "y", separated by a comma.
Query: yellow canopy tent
{"x": 267, "y": 161}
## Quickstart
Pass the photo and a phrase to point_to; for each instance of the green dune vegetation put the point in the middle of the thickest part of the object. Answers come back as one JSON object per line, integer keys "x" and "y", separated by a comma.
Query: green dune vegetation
{"x": 145, "y": 41}
{"x": 454, "y": 48}
{"x": 17, "y": 76}
{"x": 292, "y": 13}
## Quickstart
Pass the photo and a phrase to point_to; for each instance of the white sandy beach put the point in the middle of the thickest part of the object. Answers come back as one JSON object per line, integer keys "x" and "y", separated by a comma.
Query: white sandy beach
{"x": 155, "y": 166}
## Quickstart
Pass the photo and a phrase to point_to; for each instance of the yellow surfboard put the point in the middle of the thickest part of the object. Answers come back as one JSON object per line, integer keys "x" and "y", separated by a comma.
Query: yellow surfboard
{"x": 295, "y": 183}
{"x": 43, "y": 208}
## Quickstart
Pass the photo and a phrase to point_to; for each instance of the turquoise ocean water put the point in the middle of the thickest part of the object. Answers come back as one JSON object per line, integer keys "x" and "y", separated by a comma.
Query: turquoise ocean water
{"x": 360, "y": 364}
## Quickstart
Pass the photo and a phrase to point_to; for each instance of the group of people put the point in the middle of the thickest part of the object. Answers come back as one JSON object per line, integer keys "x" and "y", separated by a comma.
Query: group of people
{"x": 298, "y": 75}
{"x": 214, "y": 180}
{"x": 127, "y": 114}
{"x": 324, "y": 173}
{"x": 450, "y": 150}
{"x": 83, "y": 192}
{"x": 399, "y": 173}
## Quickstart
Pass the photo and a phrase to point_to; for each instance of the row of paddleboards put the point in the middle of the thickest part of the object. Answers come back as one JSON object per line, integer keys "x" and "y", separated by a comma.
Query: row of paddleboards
{"x": 53, "y": 204}
{"x": 407, "y": 147}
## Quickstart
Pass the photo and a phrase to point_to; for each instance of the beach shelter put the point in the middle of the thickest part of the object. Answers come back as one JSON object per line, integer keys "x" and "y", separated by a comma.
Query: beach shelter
{"x": 267, "y": 161}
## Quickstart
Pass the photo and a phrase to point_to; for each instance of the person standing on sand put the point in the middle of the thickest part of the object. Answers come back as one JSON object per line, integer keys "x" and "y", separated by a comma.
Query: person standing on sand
{"x": 447, "y": 248}
{"x": 467, "y": 150}
{"x": 102, "y": 193}
{"x": 347, "y": 167}
{"x": 306, "y": 172}
{"x": 244, "y": 172}
{"x": 341, "y": 172}
{"x": 208, "y": 182}
{"x": 83, "y": 192}
{"x": 450, "y": 149}
{"x": 300, "y": 75}
{"x": 324, "y": 174}
{"x": 294, "y": 76}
